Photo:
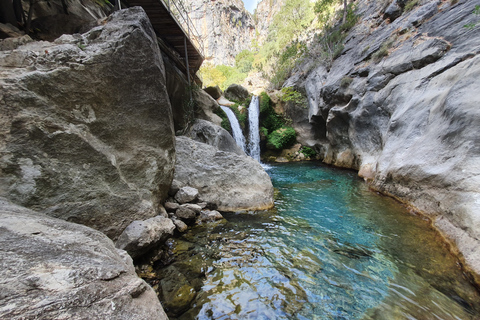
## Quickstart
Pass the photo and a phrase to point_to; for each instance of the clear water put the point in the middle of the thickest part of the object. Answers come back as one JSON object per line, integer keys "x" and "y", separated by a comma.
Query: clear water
{"x": 332, "y": 249}
{"x": 254, "y": 133}
{"x": 236, "y": 129}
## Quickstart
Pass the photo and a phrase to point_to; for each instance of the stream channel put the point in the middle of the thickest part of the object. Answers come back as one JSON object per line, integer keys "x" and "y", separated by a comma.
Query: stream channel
{"x": 331, "y": 249}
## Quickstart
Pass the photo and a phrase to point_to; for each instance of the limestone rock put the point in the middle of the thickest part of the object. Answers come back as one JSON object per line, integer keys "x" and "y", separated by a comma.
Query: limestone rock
{"x": 214, "y": 92}
{"x": 206, "y": 107}
{"x": 210, "y": 215}
{"x": 186, "y": 194}
{"x": 171, "y": 206}
{"x": 140, "y": 236}
{"x": 53, "y": 269}
{"x": 180, "y": 225}
{"x": 229, "y": 181}
{"x": 214, "y": 135}
{"x": 225, "y": 27}
{"x": 224, "y": 102}
{"x": 185, "y": 213}
{"x": 86, "y": 125}
{"x": 408, "y": 122}
{"x": 236, "y": 92}
{"x": 7, "y": 30}
{"x": 194, "y": 207}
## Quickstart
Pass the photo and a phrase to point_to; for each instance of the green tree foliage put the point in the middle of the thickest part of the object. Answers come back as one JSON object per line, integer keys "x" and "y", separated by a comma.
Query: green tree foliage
{"x": 244, "y": 61}
{"x": 220, "y": 75}
{"x": 476, "y": 12}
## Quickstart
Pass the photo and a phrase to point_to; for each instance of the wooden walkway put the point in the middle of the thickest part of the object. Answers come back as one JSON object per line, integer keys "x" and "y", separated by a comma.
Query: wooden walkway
{"x": 172, "y": 24}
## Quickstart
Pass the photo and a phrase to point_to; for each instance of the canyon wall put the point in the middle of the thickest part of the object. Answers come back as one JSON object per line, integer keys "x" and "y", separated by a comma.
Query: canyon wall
{"x": 400, "y": 105}
{"x": 225, "y": 26}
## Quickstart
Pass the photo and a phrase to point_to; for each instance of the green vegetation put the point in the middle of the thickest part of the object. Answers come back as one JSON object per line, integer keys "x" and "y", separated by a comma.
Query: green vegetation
{"x": 308, "y": 152}
{"x": 289, "y": 94}
{"x": 472, "y": 25}
{"x": 346, "y": 81}
{"x": 225, "y": 122}
{"x": 383, "y": 51}
{"x": 281, "y": 138}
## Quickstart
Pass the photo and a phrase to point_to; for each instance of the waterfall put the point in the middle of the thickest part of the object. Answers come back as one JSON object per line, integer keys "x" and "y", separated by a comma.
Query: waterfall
{"x": 254, "y": 136}
{"x": 236, "y": 130}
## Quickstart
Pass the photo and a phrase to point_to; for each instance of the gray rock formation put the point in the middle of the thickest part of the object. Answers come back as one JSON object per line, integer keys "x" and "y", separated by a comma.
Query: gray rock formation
{"x": 214, "y": 92}
{"x": 401, "y": 106}
{"x": 214, "y": 135}
{"x": 53, "y": 269}
{"x": 206, "y": 107}
{"x": 140, "y": 236}
{"x": 264, "y": 13}
{"x": 186, "y": 194}
{"x": 236, "y": 92}
{"x": 225, "y": 27}
{"x": 86, "y": 125}
{"x": 232, "y": 182}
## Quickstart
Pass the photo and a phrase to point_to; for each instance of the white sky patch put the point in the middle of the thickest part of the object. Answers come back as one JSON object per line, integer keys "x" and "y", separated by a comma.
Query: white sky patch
{"x": 250, "y": 5}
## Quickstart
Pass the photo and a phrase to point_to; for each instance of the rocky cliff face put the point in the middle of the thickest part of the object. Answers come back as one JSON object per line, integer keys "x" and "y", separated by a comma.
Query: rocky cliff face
{"x": 400, "y": 105}
{"x": 264, "y": 13}
{"x": 86, "y": 125}
{"x": 225, "y": 26}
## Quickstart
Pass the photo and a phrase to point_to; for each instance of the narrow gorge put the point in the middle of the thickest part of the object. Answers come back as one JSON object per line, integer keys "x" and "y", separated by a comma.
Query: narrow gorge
{"x": 321, "y": 163}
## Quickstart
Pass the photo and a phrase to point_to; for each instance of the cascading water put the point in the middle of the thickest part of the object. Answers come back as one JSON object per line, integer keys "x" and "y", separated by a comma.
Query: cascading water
{"x": 236, "y": 130}
{"x": 254, "y": 135}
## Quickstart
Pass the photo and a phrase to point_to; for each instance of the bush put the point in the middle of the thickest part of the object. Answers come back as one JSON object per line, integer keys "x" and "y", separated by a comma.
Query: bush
{"x": 410, "y": 5}
{"x": 291, "y": 95}
{"x": 281, "y": 138}
{"x": 308, "y": 152}
{"x": 225, "y": 122}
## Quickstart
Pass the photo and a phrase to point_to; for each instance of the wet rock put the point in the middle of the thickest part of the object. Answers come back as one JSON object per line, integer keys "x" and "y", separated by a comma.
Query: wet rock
{"x": 180, "y": 225}
{"x": 176, "y": 292}
{"x": 214, "y": 135}
{"x": 226, "y": 180}
{"x": 236, "y": 92}
{"x": 53, "y": 269}
{"x": 210, "y": 215}
{"x": 186, "y": 194}
{"x": 86, "y": 138}
{"x": 185, "y": 213}
{"x": 140, "y": 236}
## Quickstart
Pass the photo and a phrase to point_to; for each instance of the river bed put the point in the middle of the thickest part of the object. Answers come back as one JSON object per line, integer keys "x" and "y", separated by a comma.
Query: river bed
{"x": 331, "y": 249}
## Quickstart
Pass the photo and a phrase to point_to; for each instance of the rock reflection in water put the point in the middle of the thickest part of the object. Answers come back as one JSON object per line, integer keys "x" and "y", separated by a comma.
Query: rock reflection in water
{"x": 332, "y": 250}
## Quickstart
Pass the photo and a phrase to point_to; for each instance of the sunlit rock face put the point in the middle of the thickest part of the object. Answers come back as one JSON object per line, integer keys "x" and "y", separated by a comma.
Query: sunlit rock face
{"x": 400, "y": 104}
{"x": 86, "y": 125}
{"x": 225, "y": 26}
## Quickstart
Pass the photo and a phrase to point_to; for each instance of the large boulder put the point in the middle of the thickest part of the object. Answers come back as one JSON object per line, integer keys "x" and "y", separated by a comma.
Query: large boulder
{"x": 230, "y": 181}
{"x": 207, "y": 106}
{"x": 53, "y": 269}
{"x": 236, "y": 92}
{"x": 214, "y": 135}
{"x": 214, "y": 92}
{"x": 86, "y": 125}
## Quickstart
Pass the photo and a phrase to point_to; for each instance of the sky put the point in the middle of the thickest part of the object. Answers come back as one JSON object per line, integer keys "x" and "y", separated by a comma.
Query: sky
{"x": 250, "y": 5}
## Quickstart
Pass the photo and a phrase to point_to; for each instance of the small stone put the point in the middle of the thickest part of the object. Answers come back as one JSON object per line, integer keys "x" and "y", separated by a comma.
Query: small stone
{"x": 202, "y": 205}
{"x": 186, "y": 194}
{"x": 185, "y": 213}
{"x": 171, "y": 206}
{"x": 181, "y": 226}
{"x": 174, "y": 188}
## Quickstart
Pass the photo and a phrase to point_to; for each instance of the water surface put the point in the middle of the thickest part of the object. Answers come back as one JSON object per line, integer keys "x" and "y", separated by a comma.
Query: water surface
{"x": 331, "y": 249}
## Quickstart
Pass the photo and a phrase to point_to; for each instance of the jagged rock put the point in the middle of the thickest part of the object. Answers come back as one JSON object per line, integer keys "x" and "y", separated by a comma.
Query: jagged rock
{"x": 214, "y": 135}
{"x": 214, "y": 92}
{"x": 194, "y": 207}
{"x": 407, "y": 123}
{"x": 53, "y": 269}
{"x": 229, "y": 181}
{"x": 140, "y": 236}
{"x": 14, "y": 43}
{"x": 171, "y": 206}
{"x": 236, "y": 92}
{"x": 393, "y": 11}
{"x": 87, "y": 130}
{"x": 185, "y": 213}
{"x": 225, "y": 27}
{"x": 210, "y": 215}
{"x": 181, "y": 226}
{"x": 206, "y": 107}
{"x": 186, "y": 194}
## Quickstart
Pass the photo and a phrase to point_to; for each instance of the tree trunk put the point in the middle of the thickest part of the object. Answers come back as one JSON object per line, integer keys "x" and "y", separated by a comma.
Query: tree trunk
{"x": 29, "y": 18}
{"x": 344, "y": 11}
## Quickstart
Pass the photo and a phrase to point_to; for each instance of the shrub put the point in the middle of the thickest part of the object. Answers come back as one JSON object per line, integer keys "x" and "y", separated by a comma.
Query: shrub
{"x": 410, "y": 5}
{"x": 291, "y": 95}
{"x": 225, "y": 122}
{"x": 281, "y": 138}
{"x": 346, "y": 81}
{"x": 308, "y": 152}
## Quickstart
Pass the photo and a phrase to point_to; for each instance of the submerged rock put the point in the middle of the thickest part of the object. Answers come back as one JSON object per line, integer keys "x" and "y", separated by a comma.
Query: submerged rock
{"x": 53, "y": 269}
{"x": 86, "y": 125}
{"x": 231, "y": 182}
